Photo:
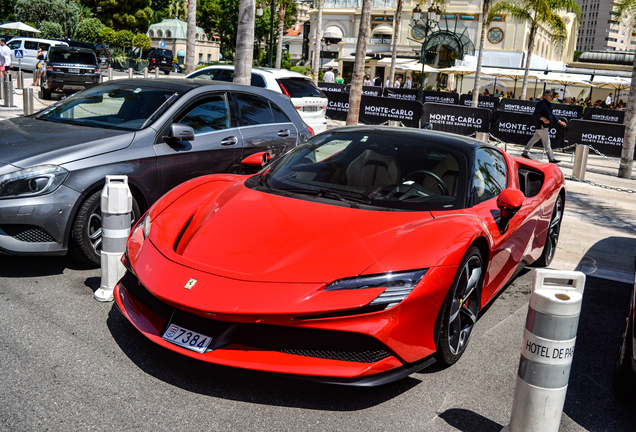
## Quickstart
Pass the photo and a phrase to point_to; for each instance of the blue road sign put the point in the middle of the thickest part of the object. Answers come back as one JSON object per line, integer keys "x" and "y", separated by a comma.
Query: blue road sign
{"x": 162, "y": 44}
{"x": 19, "y": 54}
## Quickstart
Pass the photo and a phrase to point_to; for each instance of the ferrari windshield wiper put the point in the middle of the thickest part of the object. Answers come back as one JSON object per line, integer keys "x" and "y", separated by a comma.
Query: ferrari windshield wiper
{"x": 328, "y": 193}
{"x": 262, "y": 181}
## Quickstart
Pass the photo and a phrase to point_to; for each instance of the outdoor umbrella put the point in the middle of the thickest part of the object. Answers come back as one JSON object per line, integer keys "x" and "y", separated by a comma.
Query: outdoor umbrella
{"x": 616, "y": 83}
{"x": 19, "y": 26}
{"x": 495, "y": 85}
{"x": 567, "y": 79}
{"x": 461, "y": 71}
{"x": 513, "y": 74}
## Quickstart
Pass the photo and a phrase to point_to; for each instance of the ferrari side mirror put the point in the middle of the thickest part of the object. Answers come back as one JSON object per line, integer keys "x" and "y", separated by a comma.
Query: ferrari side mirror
{"x": 509, "y": 202}
{"x": 258, "y": 160}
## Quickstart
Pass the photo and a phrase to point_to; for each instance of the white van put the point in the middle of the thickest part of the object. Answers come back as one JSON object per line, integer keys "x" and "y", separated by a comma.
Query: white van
{"x": 25, "y": 50}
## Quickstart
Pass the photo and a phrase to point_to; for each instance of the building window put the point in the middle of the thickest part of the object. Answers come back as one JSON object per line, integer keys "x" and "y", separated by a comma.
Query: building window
{"x": 209, "y": 58}
{"x": 151, "y": 33}
{"x": 168, "y": 34}
{"x": 159, "y": 33}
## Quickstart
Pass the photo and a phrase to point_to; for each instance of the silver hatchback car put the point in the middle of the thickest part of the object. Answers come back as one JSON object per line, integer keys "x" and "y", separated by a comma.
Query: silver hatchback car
{"x": 159, "y": 133}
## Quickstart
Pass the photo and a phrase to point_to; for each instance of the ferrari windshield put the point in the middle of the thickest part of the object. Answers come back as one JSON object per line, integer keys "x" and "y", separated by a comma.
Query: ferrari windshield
{"x": 113, "y": 106}
{"x": 376, "y": 167}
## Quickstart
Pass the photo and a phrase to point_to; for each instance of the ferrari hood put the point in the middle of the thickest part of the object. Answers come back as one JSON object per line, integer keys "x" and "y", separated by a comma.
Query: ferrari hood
{"x": 246, "y": 234}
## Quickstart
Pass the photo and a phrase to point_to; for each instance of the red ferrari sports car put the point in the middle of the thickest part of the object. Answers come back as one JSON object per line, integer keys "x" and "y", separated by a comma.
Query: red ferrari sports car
{"x": 357, "y": 258}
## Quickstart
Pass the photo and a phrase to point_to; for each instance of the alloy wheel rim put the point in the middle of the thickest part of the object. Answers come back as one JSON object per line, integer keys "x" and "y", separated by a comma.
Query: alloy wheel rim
{"x": 94, "y": 229}
{"x": 554, "y": 230}
{"x": 464, "y": 306}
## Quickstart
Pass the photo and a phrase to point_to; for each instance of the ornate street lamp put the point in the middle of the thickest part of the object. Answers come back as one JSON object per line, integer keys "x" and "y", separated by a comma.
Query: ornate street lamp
{"x": 421, "y": 27}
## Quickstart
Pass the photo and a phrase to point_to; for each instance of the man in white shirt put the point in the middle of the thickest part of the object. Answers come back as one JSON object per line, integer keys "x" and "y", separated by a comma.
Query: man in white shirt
{"x": 409, "y": 83}
{"x": 2, "y": 60}
{"x": 609, "y": 101}
{"x": 398, "y": 83}
{"x": 329, "y": 76}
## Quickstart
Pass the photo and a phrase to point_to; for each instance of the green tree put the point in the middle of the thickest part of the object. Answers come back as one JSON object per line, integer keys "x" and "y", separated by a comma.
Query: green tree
{"x": 141, "y": 41}
{"x": 133, "y": 15}
{"x": 124, "y": 39}
{"x": 88, "y": 30}
{"x": 537, "y": 13}
{"x": 107, "y": 36}
{"x": 355, "y": 92}
{"x": 55, "y": 11}
{"x": 6, "y": 10}
{"x": 50, "y": 30}
{"x": 625, "y": 12}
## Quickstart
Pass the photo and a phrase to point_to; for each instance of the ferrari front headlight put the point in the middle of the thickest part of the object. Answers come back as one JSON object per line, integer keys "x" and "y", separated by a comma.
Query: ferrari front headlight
{"x": 39, "y": 180}
{"x": 398, "y": 285}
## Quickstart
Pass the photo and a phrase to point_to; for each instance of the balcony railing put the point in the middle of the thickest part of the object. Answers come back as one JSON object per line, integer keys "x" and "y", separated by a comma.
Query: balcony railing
{"x": 355, "y": 4}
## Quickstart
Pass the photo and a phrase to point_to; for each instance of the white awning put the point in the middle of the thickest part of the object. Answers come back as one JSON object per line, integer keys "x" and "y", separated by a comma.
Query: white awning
{"x": 383, "y": 29}
{"x": 332, "y": 32}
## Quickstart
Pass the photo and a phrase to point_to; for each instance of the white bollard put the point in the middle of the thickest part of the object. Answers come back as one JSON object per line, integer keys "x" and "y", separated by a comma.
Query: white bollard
{"x": 116, "y": 217}
{"x": 547, "y": 351}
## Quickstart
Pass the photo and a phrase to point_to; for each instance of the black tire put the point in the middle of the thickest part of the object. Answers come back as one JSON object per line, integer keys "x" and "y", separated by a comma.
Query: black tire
{"x": 623, "y": 378}
{"x": 552, "y": 239}
{"x": 46, "y": 94}
{"x": 460, "y": 309}
{"x": 166, "y": 72}
{"x": 86, "y": 233}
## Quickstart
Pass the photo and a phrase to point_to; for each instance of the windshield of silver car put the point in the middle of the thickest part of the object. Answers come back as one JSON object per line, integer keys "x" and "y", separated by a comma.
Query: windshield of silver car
{"x": 112, "y": 107}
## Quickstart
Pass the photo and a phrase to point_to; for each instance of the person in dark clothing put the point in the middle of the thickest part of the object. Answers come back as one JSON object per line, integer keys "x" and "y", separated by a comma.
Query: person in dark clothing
{"x": 543, "y": 117}
{"x": 377, "y": 81}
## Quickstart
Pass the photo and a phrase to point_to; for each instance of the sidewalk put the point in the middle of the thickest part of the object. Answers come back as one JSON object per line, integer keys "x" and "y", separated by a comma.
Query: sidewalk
{"x": 598, "y": 233}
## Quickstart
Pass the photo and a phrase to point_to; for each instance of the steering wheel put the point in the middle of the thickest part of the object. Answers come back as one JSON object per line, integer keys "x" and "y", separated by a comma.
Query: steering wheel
{"x": 423, "y": 173}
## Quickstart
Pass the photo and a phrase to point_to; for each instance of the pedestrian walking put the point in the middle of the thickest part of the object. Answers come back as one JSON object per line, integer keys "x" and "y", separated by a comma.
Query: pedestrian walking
{"x": 377, "y": 81}
{"x": 543, "y": 117}
{"x": 40, "y": 66}
{"x": 398, "y": 83}
{"x": 329, "y": 76}
{"x": 367, "y": 80}
{"x": 4, "y": 65}
{"x": 609, "y": 100}
{"x": 408, "y": 83}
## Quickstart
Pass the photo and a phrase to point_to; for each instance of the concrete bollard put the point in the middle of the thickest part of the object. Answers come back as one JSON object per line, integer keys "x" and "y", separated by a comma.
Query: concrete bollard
{"x": 116, "y": 207}
{"x": 145, "y": 72}
{"x": 110, "y": 74}
{"x": 130, "y": 72}
{"x": 27, "y": 101}
{"x": 547, "y": 351}
{"x": 7, "y": 87}
{"x": 580, "y": 161}
{"x": 20, "y": 80}
{"x": 156, "y": 72}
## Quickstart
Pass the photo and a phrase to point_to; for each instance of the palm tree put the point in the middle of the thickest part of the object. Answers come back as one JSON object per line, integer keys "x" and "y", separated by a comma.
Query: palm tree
{"x": 245, "y": 42}
{"x": 538, "y": 13}
{"x": 316, "y": 60}
{"x": 355, "y": 92}
{"x": 281, "y": 30}
{"x": 485, "y": 20}
{"x": 627, "y": 8}
{"x": 396, "y": 33}
{"x": 190, "y": 33}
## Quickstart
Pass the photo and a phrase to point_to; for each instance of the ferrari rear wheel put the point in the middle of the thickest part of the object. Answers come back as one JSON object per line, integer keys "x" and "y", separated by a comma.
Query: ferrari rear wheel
{"x": 460, "y": 309}
{"x": 552, "y": 240}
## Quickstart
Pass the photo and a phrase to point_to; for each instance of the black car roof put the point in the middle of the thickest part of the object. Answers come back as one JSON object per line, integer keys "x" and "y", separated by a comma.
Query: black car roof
{"x": 71, "y": 49}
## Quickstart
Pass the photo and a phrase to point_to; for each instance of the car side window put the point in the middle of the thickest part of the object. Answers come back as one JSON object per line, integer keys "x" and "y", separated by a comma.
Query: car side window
{"x": 255, "y": 110}
{"x": 224, "y": 75}
{"x": 491, "y": 175}
{"x": 258, "y": 81}
{"x": 14, "y": 44}
{"x": 279, "y": 115}
{"x": 205, "y": 75}
{"x": 30, "y": 45}
{"x": 208, "y": 115}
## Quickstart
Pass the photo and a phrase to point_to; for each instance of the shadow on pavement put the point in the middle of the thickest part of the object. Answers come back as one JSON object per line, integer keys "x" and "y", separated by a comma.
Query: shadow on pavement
{"x": 469, "y": 421}
{"x": 34, "y": 266}
{"x": 600, "y": 213}
{"x": 241, "y": 384}
{"x": 590, "y": 401}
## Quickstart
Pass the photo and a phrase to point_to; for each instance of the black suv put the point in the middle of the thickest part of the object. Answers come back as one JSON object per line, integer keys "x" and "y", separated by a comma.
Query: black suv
{"x": 68, "y": 70}
{"x": 160, "y": 58}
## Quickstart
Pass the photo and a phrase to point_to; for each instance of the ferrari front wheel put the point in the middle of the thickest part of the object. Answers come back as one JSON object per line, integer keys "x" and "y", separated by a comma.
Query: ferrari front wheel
{"x": 552, "y": 238}
{"x": 460, "y": 309}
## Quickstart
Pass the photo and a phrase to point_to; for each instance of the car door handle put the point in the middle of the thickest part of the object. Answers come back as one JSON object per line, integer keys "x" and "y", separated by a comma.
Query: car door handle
{"x": 229, "y": 141}
{"x": 283, "y": 133}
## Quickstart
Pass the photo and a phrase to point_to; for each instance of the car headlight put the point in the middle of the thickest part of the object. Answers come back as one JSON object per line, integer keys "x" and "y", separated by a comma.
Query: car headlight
{"x": 143, "y": 224}
{"x": 34, "y": 181}
{"x": 398, "y": 285}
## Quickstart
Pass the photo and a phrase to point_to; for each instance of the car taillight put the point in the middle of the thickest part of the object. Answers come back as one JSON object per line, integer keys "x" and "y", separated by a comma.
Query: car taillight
{"x": 283, "y": 89}
{"x": 49, "y": 67}
{"x": 154, "y": 60}
{"x": 96, "y": 70}
{"x": 298, "y": 108}
{"x": 311, "y": 131}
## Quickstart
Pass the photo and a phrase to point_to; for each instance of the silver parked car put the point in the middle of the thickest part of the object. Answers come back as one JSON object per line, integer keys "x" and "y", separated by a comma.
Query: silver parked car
{"x": 158, "y": 133}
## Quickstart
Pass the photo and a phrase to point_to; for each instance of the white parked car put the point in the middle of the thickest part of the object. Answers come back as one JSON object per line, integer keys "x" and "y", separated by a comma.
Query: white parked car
{"x": 310, "y": 102}
{"x": 25, "y": 50}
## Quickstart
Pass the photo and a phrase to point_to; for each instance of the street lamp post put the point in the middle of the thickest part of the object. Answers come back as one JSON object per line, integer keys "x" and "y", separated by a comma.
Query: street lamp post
{"x": 420, "y": 28}
{"x": 259, "y": 12}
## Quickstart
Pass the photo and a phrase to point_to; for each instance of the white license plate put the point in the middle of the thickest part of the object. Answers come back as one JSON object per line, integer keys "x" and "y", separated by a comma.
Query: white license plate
{"x": 310, "y": 109}
{"x": 72, "y": 70}
{"x": 187, "y": 338}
